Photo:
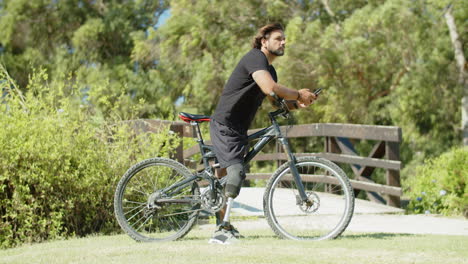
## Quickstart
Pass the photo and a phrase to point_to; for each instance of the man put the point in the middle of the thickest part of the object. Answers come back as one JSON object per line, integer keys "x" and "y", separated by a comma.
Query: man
{"x": 253, "y": 78}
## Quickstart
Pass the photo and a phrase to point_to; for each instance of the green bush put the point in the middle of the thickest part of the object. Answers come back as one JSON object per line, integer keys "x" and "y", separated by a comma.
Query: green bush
{"x": 59, "y": 163}
{"x": 440, "y": 186}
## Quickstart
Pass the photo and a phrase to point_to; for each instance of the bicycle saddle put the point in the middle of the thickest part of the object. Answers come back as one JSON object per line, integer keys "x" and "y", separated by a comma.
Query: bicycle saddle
{"x": 191, "y": 117}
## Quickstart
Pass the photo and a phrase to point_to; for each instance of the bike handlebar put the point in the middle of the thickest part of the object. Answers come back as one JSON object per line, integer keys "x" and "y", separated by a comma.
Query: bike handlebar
{"x": 281, "y": 104}
{"x": 283, "y": 107}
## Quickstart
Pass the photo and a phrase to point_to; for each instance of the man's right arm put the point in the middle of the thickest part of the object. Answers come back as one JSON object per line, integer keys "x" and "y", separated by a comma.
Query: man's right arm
{"x": 267, "y": 85}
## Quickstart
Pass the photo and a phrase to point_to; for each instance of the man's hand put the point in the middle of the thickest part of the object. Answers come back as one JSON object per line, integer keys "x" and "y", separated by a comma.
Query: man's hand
{"x": 305, "y": 98}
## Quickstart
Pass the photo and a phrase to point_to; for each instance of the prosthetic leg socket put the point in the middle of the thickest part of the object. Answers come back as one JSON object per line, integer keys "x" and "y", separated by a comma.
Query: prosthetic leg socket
{"x": 236, "y": 176}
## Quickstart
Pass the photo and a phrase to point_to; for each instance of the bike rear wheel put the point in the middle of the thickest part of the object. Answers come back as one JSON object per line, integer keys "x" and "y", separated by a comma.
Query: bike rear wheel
{"x": 327, "y": 187}
{"x": 146, "y": 206}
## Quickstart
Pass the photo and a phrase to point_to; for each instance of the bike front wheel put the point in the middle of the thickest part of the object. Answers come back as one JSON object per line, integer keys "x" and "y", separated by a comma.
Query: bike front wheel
{"x": 328, "y": 210}
{"x": 151, "y": 205}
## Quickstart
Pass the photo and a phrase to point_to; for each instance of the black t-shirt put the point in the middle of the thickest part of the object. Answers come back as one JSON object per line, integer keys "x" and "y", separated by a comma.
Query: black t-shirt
{"x": 241, "y": 96}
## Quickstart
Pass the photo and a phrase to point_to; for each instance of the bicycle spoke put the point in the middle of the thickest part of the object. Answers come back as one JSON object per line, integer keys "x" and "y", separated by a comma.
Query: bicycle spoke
{"x": 142, "y": 192}
{"x": 139, "y": 219}
{"x": 134, "y": 208}
{"x": 175, "y": 221}
{"x": 140, "y": 203}
{"x": 180, "y": 213}
{"x": 135, "y": 214}
{"x": 155, "y": 188}
{"x": 148, "y": 218}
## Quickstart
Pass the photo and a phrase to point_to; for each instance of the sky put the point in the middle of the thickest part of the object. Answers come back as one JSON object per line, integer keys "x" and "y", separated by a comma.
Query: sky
{"x": 162, "y": 19}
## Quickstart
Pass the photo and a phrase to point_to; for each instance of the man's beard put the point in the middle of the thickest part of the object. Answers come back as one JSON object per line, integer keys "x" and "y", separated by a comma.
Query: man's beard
{"x": 278, "y": 52}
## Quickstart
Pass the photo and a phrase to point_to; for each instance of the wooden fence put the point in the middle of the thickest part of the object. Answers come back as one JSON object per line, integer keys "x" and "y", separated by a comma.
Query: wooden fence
{"x": 338, "y": 148}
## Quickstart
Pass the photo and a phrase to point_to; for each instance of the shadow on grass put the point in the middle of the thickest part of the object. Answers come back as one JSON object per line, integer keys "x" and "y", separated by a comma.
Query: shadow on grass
{"x": 268, "y": 235}
{"x": 346, "y": 236}
{"x": 193, "y": 238}
{"x": 246, "y": 237}
{"x": 374, "y": 235}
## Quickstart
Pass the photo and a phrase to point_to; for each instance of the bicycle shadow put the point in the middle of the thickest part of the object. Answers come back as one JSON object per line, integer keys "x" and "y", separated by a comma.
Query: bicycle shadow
{"x": 247, "y": 237}
{"x": 251, "y": 237}
{"x": 374, "y": 235}
{"x": 345, "y": 236}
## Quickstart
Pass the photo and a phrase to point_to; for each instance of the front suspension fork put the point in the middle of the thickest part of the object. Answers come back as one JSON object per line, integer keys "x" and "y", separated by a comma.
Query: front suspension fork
{"x": 292, "y": 166}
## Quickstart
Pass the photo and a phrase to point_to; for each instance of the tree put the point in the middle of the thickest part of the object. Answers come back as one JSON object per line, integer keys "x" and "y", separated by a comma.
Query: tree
{"x": 463, "y": 74}
{"x": 385, "y": 62}
{"x": 380, "y": 62}
{"x": 85, "y": 43}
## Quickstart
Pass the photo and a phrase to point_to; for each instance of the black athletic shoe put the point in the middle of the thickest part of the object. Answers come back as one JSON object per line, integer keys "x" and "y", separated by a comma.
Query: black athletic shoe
{"x": 224, "y": 237}
{"x": 234, "y": 231}
{"x": 225, "y": 234}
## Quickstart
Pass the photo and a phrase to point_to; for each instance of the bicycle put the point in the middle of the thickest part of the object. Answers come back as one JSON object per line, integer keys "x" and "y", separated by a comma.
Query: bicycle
{"x": 306, "y": 198}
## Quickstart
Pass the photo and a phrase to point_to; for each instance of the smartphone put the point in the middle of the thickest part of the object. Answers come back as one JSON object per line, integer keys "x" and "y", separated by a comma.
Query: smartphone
{"x": 318, "y": 91}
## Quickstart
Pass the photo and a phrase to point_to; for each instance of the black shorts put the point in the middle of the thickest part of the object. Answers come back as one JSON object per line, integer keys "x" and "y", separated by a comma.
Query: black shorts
{"x": 229, "y": 144}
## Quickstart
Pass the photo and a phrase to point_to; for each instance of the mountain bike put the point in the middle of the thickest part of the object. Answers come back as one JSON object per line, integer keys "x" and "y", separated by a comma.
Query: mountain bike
{"x": 306, "y": 198}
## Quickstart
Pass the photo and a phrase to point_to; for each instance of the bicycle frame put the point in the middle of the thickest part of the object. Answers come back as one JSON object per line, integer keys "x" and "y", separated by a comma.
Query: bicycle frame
{"x": 265, "y": 135}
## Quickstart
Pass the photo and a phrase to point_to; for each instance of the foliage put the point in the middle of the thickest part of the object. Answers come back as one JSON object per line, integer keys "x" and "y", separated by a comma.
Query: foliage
{"x": 383, "y": 62}
{"x": 380, "y": 62}
{"x": 440, "y": 185}
{"x": 60, "y": 163}
{"x": 387, "y": 64}
{"x": 90, "y": 40}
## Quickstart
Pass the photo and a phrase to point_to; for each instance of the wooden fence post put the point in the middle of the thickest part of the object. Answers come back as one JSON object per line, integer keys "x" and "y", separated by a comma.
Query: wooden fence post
{"x": 392, "y": 150}
{"x": 331, "y": 145}
{"x": 178, "y": 129}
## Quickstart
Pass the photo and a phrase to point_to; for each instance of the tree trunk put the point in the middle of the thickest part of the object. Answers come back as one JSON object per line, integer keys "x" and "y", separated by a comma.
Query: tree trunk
{"x": 463, "y": 75}
{"x": 331, "y": 14}
{"x": 327, "y": 8}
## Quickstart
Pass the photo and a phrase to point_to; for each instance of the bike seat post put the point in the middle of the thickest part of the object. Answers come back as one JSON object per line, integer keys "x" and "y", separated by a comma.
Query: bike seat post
{"x": 196, "y": 127}
{"x": 201, "y": 144}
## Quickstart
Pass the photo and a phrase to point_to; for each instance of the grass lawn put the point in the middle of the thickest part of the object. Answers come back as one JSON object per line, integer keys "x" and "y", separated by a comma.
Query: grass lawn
{"x": 258, "y": 246}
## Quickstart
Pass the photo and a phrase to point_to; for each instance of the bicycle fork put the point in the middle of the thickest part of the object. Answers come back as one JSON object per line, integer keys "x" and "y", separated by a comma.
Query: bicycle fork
{"x": 292, "y": 166}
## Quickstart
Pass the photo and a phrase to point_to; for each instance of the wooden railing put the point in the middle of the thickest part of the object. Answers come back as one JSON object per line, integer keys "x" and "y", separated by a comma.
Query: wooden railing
{"x": 338, "y": 148}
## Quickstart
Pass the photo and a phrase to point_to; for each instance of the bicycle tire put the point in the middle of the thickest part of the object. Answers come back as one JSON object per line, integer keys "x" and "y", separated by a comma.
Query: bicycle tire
{"x": 330, "y": 213}
{"x": 170, "y": 221}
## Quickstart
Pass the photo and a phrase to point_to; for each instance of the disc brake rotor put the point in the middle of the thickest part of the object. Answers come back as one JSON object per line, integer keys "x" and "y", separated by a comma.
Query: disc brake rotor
{"x": 311, "y": 205}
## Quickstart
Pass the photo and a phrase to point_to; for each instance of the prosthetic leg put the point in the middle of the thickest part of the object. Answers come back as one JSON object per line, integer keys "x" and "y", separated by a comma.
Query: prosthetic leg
{"x": 226, "y": 233}
{"x": 236, "y": 177}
